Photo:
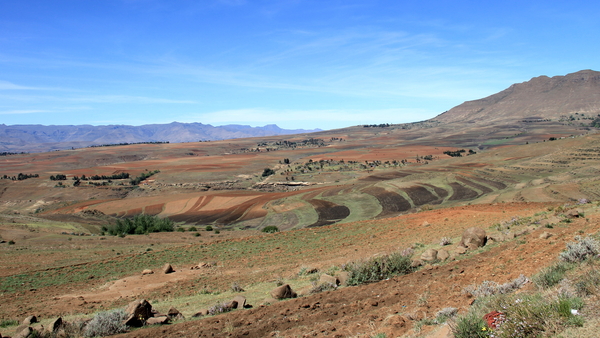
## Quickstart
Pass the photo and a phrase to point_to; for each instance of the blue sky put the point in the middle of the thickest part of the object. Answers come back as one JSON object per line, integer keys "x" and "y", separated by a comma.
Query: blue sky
{"x": 298, "y": 64}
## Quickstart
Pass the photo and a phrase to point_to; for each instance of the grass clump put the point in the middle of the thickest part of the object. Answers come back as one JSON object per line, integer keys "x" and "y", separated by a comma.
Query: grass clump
{"x": 378, "y": 268}
{"x": 552, "y": 275}
{"x": 106, "y": 324}
{"x": 139, "y": 224}
{"x": 8, "y": 322}
{"x": 470, "y": 326}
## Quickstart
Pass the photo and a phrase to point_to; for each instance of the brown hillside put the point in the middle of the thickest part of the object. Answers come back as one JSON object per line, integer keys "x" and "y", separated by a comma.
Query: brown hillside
{"x": 539, "y": 98}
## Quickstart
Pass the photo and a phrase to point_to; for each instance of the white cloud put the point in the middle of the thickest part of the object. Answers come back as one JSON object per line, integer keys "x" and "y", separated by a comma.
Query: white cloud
{"x": 23, "y": 111}
{"x": 5, "y": 85}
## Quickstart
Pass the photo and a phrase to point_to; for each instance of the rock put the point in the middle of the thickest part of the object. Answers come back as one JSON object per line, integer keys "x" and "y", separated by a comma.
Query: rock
{"x": 147, "y": 272}
{"x": 494, "y": 319}
{"x": 460, "y": 250}
{"x": 239, "y": 302}
{"x": 429, "y": 255}
{"x": 203, "y": 265}
{"x": 167, "y": 268}
{"x": 283, "y": 292}
{"x": 268, "y": 301}
{"x": 415, "y": 263}
{"x": 56, "y": 325}
{"x": 174, "y": 314}
{"x": 545, "y": 235}
{"x": 325, "y": 278}
{"x": 200, "y": 313}
{"x": 30, "y": 320}
{"x": 574, "y": 213}
{"x": 396, "y": 321}
{"x": 425, "y": 224}
{"x": 157, "y": 320}
{"x": 343, "y": 277}
{"x": 25, "y": 332}
{"x": 305, "y": 291}
{"x": 443, "y": 255}
{"x": 497, "y": 237}
{"x": 473, "y": 238}
{"x": 550, "y": 221}
{"x": 138, "y": 312}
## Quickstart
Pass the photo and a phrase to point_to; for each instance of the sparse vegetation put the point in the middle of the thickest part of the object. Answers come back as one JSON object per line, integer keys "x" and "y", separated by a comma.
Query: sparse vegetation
{"x": 106, "y": 323}
{"x": 270, "y": 229}
{"x": 378, "y": 268}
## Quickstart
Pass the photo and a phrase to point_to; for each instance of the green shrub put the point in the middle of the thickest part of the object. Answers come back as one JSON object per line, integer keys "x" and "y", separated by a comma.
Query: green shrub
{"x": 180, "y": 229}
{"x": 208, "y": 228}
{"x": 378, "y": 268}
{"x": 552, "y": 275}
{"x": 270, "y": 229}
{"x": 11, "y": 242}
{"x": 106, "y": 324}
{"x": 192, "y": 229}
{"x": 139, "y": 224}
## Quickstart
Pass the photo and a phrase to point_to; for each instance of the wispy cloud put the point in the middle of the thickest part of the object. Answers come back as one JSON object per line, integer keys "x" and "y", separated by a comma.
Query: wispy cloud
{"x": 24, "y": 111}
{"x": 5, "y": 85}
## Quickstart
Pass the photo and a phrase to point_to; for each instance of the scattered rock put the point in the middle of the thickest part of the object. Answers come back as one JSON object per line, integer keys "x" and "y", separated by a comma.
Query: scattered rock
{"x": 545, "y": 235}
{"x": 157, "y": 320}
{"x": 443, "y": 255}
{"x": 147, "y": 272}
{"x": 473, "y": 238}
{"x": 425, "y": 224}
{"x": 574, "y": 213}
{"x": 460, "y": 250}
{"x": 415, "y": 263}
{"x": 550, "y": 221}
{"x": 325, "y": 278}
{"x": 174, "y": 314}
{"x": 203, "y": 265}
{"x": 138, "y": 312}
{"x": 429, "y": 255}
{"x": 396, "y": 321}
{"x": 167, "y": 268}
{"x": 283, "y": 292}
{"x": 239, "y": 302}
{"x": 497, "y": 237}
{"x": 30, "y": 320}
{"x": 200, "y": 313}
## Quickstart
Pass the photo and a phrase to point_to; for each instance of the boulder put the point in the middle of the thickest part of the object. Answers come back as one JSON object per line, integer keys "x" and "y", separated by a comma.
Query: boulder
{"x": 343, "y": 277}
{"x": 415, "y": 263}
{"x": 498, "y": 237}
{"x": 325, "y": 278}
{"x": 443, "y": 255}
{"x": 157, "y": 320}
{"x": 167, "y": 268}
{"x": 545, "y": 235}
{"x": 239, "y": 302}
{"x": 429, "y": 255}
{"x": 473, "y": 238}
{"x": 30, "y": 320}
{"x": 138, "y": 312}
{"x": 147, "y": 272}
{"x": 174, "y": 314}
{"x": 23, "y": 332}
{"x": 283, "y": 292}
{"x": 56, "y": 325}
{"x": 425, "y": 224}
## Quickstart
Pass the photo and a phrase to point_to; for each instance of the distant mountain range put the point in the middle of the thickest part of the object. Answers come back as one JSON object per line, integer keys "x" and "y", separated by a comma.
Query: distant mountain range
{"x": 540, "y": 98}
{"x": 39, "y": 138}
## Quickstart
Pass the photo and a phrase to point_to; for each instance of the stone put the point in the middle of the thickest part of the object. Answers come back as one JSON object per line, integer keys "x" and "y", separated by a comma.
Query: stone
{"x": 283, "y": 292}
{"x": 460, "y": 250}
{"x": 497, "y": 237}
{"x": 30, "y": 320}
{"x": 147, "y": 272}
{"x": 343, "y": 277}
{"x": 173, "y": 313}
{"x": 239, "y": 302}
{"x": 545, "y": 235}
{"x": 56, "y": 325}
{"x": 443, "y": 255}
{"x": 473, "y": 237}
{"x": 429, "y": 255}
{"x": 550, "y": 221}
{"x": 157, "y": 320}
{"x": 167, "y": 268}
{"x": 138, "y": 312}
{"x": 200, "y": 313}
{"x": 415, "y": 263}
{"x": 325, "y": 278}
{"x": 25, "y": 332}
{"x": 574, "y": 213}
{"x": 425, "y": 224}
